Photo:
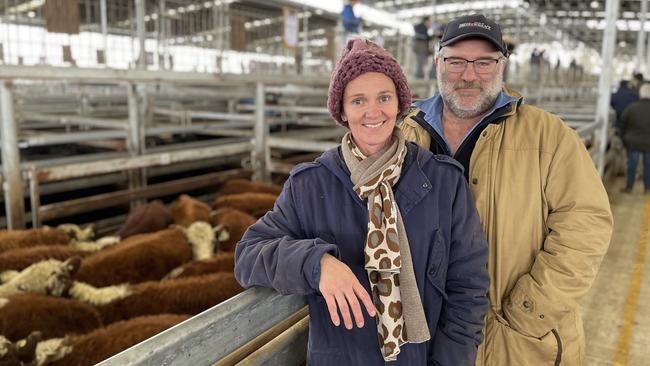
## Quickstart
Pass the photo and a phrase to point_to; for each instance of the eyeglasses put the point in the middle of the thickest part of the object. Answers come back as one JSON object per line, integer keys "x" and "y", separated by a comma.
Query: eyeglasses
{"x": 481, "y": 65}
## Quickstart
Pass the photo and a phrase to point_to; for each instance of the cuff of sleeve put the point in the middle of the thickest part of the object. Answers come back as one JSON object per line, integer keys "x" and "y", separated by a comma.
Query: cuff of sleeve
{"x": 311, "y": 268}
{"x": 526, "y": 315}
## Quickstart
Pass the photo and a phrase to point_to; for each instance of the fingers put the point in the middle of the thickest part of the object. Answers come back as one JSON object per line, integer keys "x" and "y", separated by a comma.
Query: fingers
{"x": 355, "y": 307}
{"x": 343, "y": 293}
{"x": 347, "y": 303}
{"x": 331, "y": 307}
{"x": 344, "y": 309}
{"x": 363, "y": 295}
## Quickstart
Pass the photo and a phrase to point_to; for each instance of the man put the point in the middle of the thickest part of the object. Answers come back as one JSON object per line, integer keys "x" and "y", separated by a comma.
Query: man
{"x": 421, "y": 46}
{"x": 624, "y": 96}
{"x": 635, "y": 132}
{"x": 541, "y": 202}
{"x": 351, "y": 22}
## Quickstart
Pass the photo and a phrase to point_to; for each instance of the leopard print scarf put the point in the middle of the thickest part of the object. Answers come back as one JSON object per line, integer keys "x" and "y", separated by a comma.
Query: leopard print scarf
{"x": 387, "y": 253}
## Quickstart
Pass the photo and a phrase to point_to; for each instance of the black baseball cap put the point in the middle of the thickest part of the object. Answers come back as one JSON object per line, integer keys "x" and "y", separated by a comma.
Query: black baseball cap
{"x": 473, "y": 26}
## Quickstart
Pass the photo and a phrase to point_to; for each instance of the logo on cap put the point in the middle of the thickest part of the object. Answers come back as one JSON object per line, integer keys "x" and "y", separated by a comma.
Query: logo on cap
{"x": 475, "y": 24}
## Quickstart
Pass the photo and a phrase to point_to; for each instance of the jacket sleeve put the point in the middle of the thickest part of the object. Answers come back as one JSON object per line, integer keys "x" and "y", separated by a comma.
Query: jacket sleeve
{"x": 579, "y": 226}
{"x": 460, "y": 326}
{"x": 275, "y": 253}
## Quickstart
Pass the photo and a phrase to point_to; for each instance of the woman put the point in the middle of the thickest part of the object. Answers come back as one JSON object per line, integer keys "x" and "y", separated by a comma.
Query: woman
{"x": 379, "y": 216}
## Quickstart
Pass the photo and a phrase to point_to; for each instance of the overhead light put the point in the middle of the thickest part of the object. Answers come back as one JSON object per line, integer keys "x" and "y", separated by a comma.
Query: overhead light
{"x": 594, "y": 4}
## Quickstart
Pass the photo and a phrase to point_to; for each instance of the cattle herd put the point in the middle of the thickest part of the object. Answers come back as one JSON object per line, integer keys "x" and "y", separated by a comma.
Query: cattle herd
{"x": 67, "y": 298}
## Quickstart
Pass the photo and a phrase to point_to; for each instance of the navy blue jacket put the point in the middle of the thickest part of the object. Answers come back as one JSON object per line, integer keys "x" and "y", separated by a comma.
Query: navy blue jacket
{"x": 318, "y": 212}
{"x": 620, "y": 100}
{"x": 351, "y": 22}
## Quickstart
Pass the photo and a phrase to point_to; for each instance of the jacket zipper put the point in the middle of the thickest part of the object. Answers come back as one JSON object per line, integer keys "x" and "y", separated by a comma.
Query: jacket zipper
{"x": 558, "y": 358}
{"x": 494, "y": 118}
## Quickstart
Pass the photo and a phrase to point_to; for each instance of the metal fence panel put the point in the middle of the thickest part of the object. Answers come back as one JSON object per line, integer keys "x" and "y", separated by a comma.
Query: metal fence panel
{"x": 209, "y": 336}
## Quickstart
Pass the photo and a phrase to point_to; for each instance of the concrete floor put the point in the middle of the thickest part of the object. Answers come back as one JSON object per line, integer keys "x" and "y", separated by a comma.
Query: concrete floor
{"x": 619, "y": 300}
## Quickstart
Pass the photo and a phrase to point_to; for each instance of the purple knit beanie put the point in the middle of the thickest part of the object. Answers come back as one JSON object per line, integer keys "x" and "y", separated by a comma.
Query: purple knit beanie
{"x": 359, "y": 57}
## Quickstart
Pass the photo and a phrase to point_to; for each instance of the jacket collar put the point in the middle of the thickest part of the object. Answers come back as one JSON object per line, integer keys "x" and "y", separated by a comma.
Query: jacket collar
{"x": 412, "y": 187}
{"x": 432, "y": 107}
{"x": 506, "y": 105}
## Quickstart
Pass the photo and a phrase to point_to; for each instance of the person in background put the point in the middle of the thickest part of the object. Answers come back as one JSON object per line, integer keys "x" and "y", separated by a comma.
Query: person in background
{"x": 541, "y": 201}
{"x": 634, "y": 129}
{"x": 351, "y": 22}
{"x": 377, "y": 231}
{"x": 637, "y": 80}
{"x": 574, "y": 71}
{"x": 624, "y": 96}
{"x": 422, "y": 46}
{"x": 535, "y": 65}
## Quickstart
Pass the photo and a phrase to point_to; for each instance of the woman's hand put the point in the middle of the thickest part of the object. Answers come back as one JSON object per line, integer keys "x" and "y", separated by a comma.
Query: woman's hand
{"x": 341, "y": 288}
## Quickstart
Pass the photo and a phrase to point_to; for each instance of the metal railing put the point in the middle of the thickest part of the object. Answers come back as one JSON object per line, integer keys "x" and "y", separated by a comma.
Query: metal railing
{"x": 131, "y": 106}
{"x": 229, "y": 332}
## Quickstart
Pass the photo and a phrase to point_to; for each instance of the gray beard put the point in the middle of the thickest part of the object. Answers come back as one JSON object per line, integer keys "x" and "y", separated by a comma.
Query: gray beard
{"x": 489, "y": 93}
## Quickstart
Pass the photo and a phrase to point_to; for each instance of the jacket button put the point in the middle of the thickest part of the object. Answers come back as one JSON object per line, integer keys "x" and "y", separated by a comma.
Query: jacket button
{"x": 541, "y": 316}
{"x": 425, "y": 185}
{"x": 527, "y": 304}
{"x": 484, "y": 133}
{"x": 432, "y": 270}
{"x": 474, "y": 180}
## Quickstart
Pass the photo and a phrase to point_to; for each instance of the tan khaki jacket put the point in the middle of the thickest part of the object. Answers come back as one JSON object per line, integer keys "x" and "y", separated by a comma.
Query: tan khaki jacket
{"x": 548, "y": 223}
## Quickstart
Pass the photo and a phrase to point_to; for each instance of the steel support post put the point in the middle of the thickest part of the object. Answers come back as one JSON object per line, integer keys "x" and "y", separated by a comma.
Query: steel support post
{"x": 261, "y": 153}
{"x": 647, "y": 49}
{"x": 225, "y": 26}
{"x": 305, "y": 39}
{"x": 160, "y": 34}
{"x": 141, "y": 30}
{"x": 12, "y": 183}
{"x": 104, "y": 20}
{"x": 217, "y": 19}
{"x": 605, "y": 80}
{"x": 339, "y": 40}
{"x": 35, "y": 198}
{"x": 640, "y": 41}
{"x": 399, "y": 49}
{"x": 408, "y": 41}
{"x": 433, "y": 11}
{"x": 135, "y": 122}
{"x": 647, "y": 57}
{"x": 137, "y": 114}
